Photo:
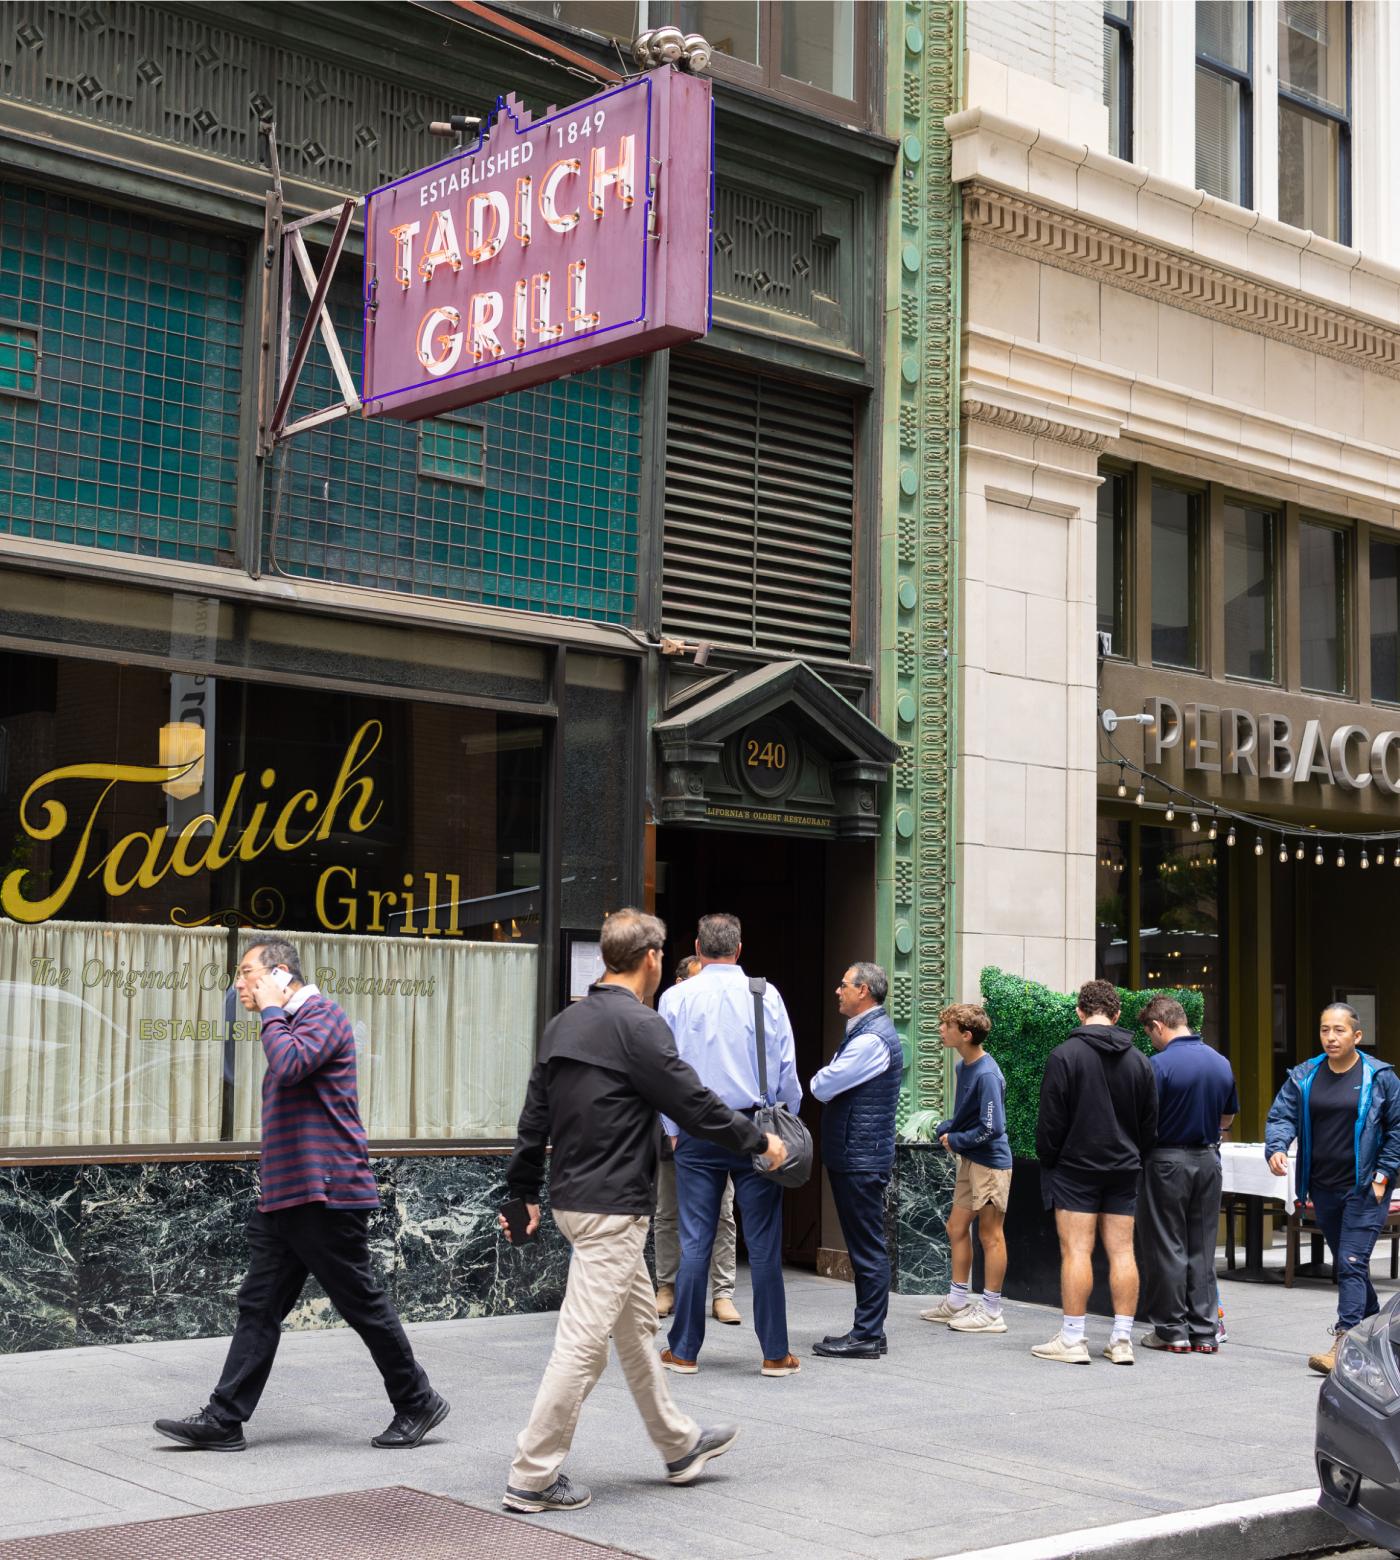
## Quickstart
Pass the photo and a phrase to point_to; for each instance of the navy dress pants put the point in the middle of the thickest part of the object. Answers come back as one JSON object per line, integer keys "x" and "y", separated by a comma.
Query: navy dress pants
{"x": 701, "y": 1172}
{"x": 1351, "y": 1220}
{"x": 860, "y": 1206}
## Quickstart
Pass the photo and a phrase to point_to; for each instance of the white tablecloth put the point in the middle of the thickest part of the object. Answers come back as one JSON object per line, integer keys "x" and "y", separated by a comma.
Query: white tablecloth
{"x": 1246, "y": 1173}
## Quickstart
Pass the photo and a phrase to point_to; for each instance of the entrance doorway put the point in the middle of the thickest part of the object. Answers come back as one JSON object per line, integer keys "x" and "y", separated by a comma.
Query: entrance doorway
{"x": 778, "y": 888}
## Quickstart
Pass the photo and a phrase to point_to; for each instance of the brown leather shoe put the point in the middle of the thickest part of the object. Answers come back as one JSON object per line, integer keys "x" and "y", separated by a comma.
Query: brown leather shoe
{"x": 681, "y": 1367}
{"x": 789, "y": 1365}
{"x": 665, "y": 1300}
{"x": 723, "y": 1311}
{"x": 1324, "y": 1364}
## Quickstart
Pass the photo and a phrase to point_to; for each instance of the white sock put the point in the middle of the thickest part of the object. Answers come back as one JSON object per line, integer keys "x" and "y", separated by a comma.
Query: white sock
{"x": 991, "y": 1302}
{"x": 958, "y": 1296}
{"x": 1122, "y": 1329}
{"x": 1072, "y": 1329}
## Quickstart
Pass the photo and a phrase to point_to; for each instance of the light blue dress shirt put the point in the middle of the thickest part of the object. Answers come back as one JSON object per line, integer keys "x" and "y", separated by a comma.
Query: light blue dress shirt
{"x": 711, "y": 1016}
{"x": 866, "y": 1057}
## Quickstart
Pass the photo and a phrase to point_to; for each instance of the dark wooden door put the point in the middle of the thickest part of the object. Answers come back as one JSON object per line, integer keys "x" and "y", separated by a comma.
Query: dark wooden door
{"x": 777, "y": 888}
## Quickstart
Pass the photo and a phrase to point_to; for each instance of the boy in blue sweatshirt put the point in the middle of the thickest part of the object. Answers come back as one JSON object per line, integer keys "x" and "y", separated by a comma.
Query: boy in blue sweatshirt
{"x": 976, "y": 1134}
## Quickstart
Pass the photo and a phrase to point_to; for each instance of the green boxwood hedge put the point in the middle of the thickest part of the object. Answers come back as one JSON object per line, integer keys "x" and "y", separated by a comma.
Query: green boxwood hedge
{"x": 1029, "y": 1021}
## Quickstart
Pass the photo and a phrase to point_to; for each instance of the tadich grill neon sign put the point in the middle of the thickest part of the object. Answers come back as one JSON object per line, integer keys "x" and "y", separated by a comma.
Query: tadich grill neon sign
{"x": 548, "y": 248}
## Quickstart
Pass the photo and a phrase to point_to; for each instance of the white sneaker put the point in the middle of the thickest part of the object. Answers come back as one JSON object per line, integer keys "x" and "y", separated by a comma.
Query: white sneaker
{"x": 943, "y": 1312}
{"x": 976, "y": 1318}
{"x": 1065, "y": 1353}
{"x": 1118, "y": 1351}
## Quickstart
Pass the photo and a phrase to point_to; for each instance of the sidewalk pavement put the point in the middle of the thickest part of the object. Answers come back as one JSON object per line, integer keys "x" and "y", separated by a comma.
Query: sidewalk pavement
{"x": 952, "y": 1443}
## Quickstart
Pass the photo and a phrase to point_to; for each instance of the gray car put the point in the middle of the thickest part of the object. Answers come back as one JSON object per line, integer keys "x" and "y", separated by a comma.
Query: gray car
{"x": 1358, "y": 1431}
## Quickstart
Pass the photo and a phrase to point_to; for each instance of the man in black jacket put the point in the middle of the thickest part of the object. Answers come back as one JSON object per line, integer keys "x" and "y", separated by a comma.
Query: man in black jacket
{"x": 1098, "y": 1119}
{"x": 607, "y": 1068}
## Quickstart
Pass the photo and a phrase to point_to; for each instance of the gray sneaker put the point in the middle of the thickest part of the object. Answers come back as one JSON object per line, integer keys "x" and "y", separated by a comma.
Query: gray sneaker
{"x": 560, "y": 1496}
{"x": 712, "y": 1443}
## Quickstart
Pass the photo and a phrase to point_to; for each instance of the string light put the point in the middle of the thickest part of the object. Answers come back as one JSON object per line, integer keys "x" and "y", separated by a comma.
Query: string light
{"x": 1230, "y": 835}
{"x": 1142, "y": 794}
{"x": 1365, "y": 860}
{"x": 1171, "y": 810}
{"x": 1318, "y": 858}
{"x": 1283, "y": 852}
{"x": 1341, "y": 855}
{"x": 1122, "y": 778}
{"x": 1195, "y": 822}
{"x": 1301, "y": 851}
{"x": 1380, "y": 855}
{"x": 1214, "y": 825}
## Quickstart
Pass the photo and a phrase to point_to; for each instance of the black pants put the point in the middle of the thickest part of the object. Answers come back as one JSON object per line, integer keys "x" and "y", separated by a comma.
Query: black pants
{"x": 332, "y": 1244}
{"x": 1178, "y": 1217}
{"x": 860, "y": 1206}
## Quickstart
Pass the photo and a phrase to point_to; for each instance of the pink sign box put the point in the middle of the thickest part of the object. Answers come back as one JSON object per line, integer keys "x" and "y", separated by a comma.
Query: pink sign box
{"x": 546, "y": 249}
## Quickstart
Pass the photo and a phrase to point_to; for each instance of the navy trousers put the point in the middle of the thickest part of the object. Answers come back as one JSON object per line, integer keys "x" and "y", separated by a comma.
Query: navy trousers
{"x": 701, "y": 1171}
{"x": 860, "y": 1206}
{"x": 1351, "y": 1221}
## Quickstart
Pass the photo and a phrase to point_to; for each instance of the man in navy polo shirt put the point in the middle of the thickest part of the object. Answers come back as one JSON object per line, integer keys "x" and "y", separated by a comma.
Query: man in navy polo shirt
{"x": 1196, "y": 1102}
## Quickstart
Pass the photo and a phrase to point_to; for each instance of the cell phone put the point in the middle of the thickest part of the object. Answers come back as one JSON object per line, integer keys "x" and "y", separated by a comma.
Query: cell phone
{"x": 516, "y": 1213}
{"x": 281, "y": 978}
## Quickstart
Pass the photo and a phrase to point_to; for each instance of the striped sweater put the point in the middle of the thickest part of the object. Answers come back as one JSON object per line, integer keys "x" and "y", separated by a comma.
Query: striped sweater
{"x": 313, "y": 1141}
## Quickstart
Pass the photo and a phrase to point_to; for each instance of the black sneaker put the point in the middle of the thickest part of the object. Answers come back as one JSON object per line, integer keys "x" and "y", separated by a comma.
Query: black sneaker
{"x": 201, "y": 1432}
{"x": 560, "y": 1496}
{"x": 409, "y": 1429}
{"x": 712, "y": 1443}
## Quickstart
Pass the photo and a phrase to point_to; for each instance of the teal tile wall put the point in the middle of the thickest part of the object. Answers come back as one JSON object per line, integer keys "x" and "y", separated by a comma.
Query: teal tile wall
{"x": 553, "y": 528}
{"x": 132, "y": 442}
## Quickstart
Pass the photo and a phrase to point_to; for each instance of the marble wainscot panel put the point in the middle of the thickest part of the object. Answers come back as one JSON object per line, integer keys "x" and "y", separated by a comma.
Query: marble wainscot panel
{"x": 162, "y": 1249}
{"x": 453, "y": 1259}
{"x": 38, "y": 1257}
{"x": 314, "y": 1309}
{"x": 923, "y": 1198}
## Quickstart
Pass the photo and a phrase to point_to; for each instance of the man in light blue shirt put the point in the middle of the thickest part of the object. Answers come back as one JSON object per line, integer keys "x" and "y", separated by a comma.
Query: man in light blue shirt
{"x": 712, "y": 1018}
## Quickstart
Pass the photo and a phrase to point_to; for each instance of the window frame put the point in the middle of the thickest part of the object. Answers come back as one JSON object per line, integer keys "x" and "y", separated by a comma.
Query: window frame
{"x": 425, "y": 474}
{"x": 9, "y": 322}
{"x": 1126, "y": 524}
{"x": 1244, "y": 80}
{"x": 1331, "y": 116}
{"x": 1346, "y": 626}
{"x": 1375, "y": 538}
{"x": 1202, "y": 585}
{"x": 1123, "y": 28}
{"x": 1275, "y": 511}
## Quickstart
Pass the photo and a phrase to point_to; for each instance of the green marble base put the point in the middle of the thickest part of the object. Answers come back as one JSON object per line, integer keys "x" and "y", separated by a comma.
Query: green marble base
{"x": 922, "y": 1198}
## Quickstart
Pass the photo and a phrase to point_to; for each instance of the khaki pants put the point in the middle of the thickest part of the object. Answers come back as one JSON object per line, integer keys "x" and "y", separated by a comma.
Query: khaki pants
{"x": 609, "y": 1291}
{"x": 723, "y": 1261}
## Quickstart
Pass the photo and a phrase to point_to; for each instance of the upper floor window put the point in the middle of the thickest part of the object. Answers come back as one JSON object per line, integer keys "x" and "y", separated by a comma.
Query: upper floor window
{"x": 1118, "y": 76}
{"x": 1112, "y": 528}
{"x": 1324, "y": 563}
{"x": 813, "y": 50}
{"x": 1224, "y": 99}
{"x": 1314, "y": 116}
{"x": 1251, "y": 591}
{"x": 1177, "y": 547}
{"x": 1385, "y": 621}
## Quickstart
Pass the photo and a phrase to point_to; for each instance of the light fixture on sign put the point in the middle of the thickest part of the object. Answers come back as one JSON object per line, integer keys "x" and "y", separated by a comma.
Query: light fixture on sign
{"x": 182, "y": 749}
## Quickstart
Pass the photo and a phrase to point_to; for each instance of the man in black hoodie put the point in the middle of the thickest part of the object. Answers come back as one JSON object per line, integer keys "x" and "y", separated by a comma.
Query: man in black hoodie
{"x": 1098, "y": 1119}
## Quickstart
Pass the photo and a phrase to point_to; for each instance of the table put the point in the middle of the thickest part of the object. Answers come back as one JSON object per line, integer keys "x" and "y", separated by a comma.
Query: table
{"x": 1245, "y": 1174}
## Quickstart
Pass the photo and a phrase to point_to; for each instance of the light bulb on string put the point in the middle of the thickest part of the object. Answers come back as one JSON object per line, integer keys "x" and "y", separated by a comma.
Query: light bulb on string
{"x": 1230, "y": 835}
{"x": 1195, "y": 822}
{"x": 1301, "y": 851}
{"x": 1170, "y": 813}
{"x": 1122, "y": 778}
{"x": 1283, "y": 852}
{"x": 1258, "y": 844}
{"x": 1318, "y": 858}
{"x": 1142, "y": 793}
{"x": 1380, "y": 855}
{"x": 1214, "y": 829}
{"x": 1341, "y": 855}
{"x": 1365, "y": 860}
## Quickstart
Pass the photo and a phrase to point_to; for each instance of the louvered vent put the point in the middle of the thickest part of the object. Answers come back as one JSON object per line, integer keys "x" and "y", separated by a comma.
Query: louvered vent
{"x": 760, "y": 513}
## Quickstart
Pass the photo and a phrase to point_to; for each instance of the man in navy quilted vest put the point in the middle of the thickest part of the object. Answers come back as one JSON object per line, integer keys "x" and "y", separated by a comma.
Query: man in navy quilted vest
{"x": 860, "y": 1089}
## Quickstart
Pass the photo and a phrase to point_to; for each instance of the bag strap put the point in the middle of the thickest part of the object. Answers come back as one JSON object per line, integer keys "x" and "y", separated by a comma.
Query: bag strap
{"x": 757, "y": 986}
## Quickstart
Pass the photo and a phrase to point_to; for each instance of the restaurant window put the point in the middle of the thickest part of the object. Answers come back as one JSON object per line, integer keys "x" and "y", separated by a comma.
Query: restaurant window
{"x": 1181, "y": 918}
{"x": 1111, "y": 901}
{"x": 1251, "y": 591}
{"x": 1323, "y": 565}
{"x": 158, "y": 821}
{"x": 816, "y": 51}
{"x": 1385, "y": 622}
{"x": 1113, "y": 522}
{"x": 1314, "y": 116}
{"x": 1177, "y": 529}
{"x": 1118, "y": 76}
{"x": 1224, "y": 99}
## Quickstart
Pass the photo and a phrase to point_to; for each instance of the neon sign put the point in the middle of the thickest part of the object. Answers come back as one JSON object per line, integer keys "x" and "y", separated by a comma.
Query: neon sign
{"x": 549, "y": 247}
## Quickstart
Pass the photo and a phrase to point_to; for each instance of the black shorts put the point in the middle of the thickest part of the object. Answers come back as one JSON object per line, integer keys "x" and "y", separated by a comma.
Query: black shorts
{"x": 1090, "y": 1191}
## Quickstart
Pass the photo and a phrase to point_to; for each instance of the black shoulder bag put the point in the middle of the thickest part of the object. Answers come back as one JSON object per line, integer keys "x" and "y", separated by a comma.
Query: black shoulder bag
{"x": 796, "y": 1169}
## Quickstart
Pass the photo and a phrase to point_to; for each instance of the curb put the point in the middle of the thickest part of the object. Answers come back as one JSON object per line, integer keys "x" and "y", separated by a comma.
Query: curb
{"x": 1267, "y": 1528}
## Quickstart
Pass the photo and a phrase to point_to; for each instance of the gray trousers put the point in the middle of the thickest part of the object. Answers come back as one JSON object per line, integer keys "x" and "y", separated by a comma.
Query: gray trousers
{"x": 1178, "y": 1218}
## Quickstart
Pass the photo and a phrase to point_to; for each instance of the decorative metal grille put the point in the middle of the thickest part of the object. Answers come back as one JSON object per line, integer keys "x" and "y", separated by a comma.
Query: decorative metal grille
{"x": 173, "y": 77}
{"x": 551, "y": 528}
{"x": 770, "y": 253}
{"x": 760, "y": 512}
{"x": 132, "y": 443}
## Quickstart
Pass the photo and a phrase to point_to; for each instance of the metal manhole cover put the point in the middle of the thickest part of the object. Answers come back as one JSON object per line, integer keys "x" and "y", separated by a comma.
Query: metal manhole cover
{"x": 387, "y": 1524}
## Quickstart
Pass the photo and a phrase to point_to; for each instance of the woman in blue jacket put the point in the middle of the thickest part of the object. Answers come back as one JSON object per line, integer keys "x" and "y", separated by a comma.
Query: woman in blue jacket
{"x": 1343, "y": 1107}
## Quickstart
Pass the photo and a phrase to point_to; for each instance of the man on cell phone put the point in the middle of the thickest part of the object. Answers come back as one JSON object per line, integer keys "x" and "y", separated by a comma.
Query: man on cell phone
{"x": 317, "y": 1192}
{"x": 608, "y": 1067}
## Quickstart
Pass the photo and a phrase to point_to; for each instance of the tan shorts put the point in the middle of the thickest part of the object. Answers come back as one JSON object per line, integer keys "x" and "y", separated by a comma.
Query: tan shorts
{"x": 976, "y": 1186}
